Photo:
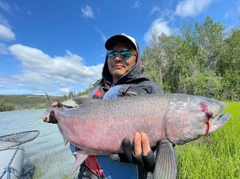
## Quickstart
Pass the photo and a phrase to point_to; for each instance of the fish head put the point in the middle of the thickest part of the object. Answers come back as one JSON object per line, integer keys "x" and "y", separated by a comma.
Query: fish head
{"x": 193, "y": 117}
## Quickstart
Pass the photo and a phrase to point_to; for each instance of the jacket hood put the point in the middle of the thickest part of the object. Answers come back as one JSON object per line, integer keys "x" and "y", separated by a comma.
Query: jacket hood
{"x": 135, "y": 73}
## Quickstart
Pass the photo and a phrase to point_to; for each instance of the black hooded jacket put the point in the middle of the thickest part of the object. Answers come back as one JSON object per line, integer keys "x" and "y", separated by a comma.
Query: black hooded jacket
{"x": 133, "y": 83}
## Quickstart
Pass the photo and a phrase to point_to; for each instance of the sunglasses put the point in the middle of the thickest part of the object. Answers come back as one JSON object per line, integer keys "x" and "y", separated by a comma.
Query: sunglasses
{"x": 125, "y": 53}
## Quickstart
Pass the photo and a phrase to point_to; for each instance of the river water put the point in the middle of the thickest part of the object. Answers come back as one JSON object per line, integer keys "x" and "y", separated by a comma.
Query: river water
{"x": 47, "y": 152}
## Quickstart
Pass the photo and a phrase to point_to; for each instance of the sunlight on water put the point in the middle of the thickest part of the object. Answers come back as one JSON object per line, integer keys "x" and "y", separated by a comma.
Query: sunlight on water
{"x": 47, "y": 152}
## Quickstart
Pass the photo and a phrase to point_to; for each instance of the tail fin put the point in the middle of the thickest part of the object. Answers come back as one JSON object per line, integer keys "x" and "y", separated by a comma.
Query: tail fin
{"x": 49, "y": 105}
{"x": 49, "y": 100}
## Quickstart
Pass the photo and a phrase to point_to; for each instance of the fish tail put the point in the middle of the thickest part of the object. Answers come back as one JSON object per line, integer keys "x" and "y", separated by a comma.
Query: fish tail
{"x": 165, "y": 165}
{"x": 49, "y": 101}
{"x": 49, "y": 105}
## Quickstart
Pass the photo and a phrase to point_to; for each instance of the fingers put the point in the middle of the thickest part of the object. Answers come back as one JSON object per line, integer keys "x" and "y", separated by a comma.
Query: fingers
{"x": 137, "y": 144}
{"x": 141, "y": 144}
{"x": 55, "y": 103}
{"x": 127, "y": 148}
{"x": 145, "y": 144}
{"x": 45, "y": 118}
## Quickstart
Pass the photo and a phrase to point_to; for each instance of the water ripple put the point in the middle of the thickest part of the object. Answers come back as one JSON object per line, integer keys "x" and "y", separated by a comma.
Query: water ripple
{"x": 47, "y": 152}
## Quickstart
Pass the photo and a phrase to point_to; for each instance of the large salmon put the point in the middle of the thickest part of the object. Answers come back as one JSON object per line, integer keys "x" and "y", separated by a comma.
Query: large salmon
{"x": 98, "y": 127}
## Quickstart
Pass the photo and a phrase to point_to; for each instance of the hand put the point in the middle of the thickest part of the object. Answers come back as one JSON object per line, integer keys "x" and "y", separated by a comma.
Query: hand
{"x": 140, "y": 153}
{"x": 51, "y": 116}
{"x": 141, "y": 144}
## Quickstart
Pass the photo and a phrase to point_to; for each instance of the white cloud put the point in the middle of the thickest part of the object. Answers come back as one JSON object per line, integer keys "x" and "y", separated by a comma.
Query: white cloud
{"x": 16, "y": 7}
{"x": 4, "y": 21}
{"x": 87, "y": 12}
{"x": 104, "y": 38}
{"x": 191, "y": 8}
{"x": 233, "y": 12}
{"x": 3, "y": 49}
{"x": 6, "y": 33}
{"x": 155, "y": 9}
{"x": 136, "y": 4}
{"x": 41, "y": 73}
{"x": 157, "y": 27}
{"x": 4, "y": 6}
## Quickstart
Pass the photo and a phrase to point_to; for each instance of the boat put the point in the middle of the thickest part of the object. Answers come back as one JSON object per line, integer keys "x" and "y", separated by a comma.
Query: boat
{"x": 11, "y": 162}
{"x": 12, "y": 153}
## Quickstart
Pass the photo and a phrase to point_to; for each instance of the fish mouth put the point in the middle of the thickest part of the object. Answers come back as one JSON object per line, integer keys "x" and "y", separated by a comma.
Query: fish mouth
{"x": 219, "y": 121}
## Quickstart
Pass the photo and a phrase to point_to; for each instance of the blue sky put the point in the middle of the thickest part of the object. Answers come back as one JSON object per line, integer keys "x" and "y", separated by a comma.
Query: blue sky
{"x": 58, "y": 46}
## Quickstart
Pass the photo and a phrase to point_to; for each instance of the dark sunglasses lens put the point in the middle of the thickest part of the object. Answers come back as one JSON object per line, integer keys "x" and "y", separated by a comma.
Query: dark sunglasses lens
{"x": 112, "y": 53}
{"x": 126, "y": 53}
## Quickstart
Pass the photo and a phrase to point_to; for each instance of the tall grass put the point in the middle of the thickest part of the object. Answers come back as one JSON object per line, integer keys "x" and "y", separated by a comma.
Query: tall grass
{"x": 216, "y": 156}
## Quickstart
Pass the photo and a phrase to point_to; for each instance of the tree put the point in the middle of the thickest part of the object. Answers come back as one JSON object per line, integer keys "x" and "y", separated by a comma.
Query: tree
{"x": 208, "y": 37}
{"x": 229, "y": 65}
{"x": 6, "y": 106}
{"x": 199, "y": 60}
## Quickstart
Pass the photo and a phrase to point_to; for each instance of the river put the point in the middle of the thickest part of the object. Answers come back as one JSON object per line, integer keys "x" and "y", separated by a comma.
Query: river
{"x": 47, "y": 152}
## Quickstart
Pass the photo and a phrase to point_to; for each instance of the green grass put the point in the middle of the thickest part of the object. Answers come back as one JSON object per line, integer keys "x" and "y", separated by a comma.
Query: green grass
{"x": 46, "y": 168}
{"x": 213, "y": 156}
{"x": 49, "y": 165}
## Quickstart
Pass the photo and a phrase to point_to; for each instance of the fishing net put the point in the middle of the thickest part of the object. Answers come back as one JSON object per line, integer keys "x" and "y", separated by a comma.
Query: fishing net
{"x": 12, "y": 140}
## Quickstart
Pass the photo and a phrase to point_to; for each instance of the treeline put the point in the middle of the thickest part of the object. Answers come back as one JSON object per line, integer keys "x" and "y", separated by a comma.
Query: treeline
{"x": 20, "y": 102}
{"x": 82, "y": 93}
{"x": 200, "y": 59}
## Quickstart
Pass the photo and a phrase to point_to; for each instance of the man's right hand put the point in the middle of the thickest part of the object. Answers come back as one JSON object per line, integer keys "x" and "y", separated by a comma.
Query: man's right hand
{"x": 50, "y": 116}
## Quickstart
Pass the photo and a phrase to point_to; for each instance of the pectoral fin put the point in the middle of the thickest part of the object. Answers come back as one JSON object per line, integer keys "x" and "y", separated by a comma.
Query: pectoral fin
{"x": 165, "y": 165}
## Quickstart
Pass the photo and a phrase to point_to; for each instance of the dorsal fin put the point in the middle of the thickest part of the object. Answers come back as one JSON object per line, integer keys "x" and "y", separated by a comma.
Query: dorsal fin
{"x": 82, "y": 100}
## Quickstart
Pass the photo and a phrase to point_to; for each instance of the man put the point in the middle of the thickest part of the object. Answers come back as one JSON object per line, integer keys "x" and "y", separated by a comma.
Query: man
{"x": 122, "y": 76}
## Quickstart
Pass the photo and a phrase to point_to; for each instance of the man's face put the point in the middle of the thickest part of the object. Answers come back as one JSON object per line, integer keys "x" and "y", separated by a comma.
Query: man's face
{"x": 118, "y": 66}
